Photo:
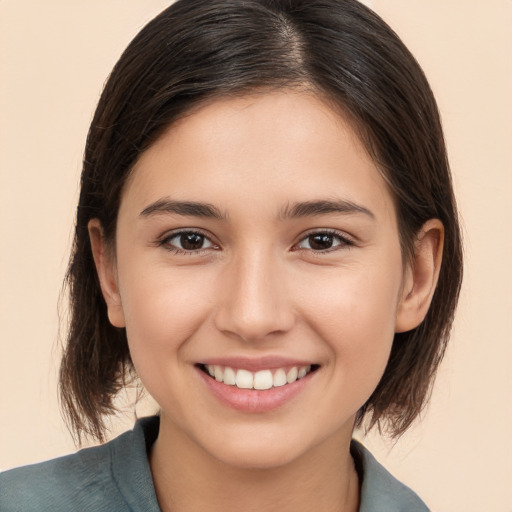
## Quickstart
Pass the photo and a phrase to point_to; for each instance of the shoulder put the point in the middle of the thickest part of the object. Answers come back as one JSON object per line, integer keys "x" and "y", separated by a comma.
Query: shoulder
{"x": 73, "y": 482}
{"x": 91, "y": 479}
{"x": 380, "y": 490}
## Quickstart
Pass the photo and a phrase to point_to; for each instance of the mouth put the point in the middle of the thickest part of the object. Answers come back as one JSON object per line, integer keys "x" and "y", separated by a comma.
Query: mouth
{"x": 260, "y": 380}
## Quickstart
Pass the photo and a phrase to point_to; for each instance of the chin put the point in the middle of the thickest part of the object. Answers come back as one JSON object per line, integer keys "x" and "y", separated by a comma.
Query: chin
{"x": 262, "y": 449}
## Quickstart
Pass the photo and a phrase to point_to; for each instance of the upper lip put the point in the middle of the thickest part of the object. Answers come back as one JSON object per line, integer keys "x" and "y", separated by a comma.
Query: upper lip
{"x": 254, "y": 364}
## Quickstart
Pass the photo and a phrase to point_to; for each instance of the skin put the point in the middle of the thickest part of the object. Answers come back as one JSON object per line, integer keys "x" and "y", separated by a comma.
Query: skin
{"x": 259, "y": 286}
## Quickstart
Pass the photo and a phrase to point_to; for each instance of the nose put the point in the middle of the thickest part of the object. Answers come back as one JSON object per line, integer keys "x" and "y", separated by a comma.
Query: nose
{"x": 254, "y": 302}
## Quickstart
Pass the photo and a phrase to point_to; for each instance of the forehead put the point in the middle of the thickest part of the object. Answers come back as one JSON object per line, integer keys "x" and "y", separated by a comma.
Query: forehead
{"x": 275, "y": 146}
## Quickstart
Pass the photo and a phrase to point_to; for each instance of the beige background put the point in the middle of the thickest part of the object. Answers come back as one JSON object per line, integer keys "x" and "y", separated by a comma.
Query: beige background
{"x": 55, "y": 56}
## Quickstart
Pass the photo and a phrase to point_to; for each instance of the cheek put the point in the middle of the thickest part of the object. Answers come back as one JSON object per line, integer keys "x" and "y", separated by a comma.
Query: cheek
{"x": 162, "y": 312}
{"x": 354, "y": 312}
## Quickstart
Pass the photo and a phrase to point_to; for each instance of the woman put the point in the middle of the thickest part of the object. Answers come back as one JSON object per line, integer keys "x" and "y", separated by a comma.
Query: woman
{"x": 267, "y": 237}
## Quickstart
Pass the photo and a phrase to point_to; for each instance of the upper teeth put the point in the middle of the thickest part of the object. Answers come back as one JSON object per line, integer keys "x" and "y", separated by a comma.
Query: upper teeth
{"x": 263, "y": 379}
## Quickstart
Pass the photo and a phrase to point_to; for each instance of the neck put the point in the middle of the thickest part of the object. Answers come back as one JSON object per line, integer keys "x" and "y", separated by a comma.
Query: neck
{"x": 189, "y": 479}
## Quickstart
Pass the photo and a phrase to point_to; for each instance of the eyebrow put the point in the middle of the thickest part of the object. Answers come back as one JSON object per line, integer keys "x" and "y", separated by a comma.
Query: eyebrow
{"x": 290, "y": 211}
{"x": 186, "y": 208}
{"x": 323, "y": 207}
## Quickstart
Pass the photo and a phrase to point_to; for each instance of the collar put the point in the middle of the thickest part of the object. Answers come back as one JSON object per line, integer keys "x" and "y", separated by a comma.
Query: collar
{"x": 380, "y": 491}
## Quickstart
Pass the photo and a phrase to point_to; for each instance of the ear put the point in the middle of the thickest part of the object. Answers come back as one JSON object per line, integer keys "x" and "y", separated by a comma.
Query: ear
{"x": 421, "y": 276}
{"x": 107, "y": 273}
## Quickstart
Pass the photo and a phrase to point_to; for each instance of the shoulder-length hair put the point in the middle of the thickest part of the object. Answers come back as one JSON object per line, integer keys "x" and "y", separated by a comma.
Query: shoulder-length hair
{"x": 197, "y": 50}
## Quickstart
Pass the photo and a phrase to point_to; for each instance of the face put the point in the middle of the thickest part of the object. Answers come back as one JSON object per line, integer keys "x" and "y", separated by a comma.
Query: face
{"x": 257, "y": 241}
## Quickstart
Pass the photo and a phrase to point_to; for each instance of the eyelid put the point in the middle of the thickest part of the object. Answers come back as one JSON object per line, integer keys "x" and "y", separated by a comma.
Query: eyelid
{"x": 163, "y": 241}
{"x": 346, "y": 240}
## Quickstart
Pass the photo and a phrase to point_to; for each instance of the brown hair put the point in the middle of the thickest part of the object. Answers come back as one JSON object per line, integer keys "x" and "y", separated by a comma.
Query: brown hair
{"x": 196, "y": 50}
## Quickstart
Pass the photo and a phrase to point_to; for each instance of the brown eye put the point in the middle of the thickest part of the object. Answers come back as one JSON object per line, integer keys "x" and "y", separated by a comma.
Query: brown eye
{"x": 188, "y": 241}
{"x": 191, "y": 241}
{"x": 323, "y": 241}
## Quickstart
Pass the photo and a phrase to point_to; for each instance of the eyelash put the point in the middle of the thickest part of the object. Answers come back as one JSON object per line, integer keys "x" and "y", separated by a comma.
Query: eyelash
{"x": 166, "y": 242}
{"x": 344, "y": 242}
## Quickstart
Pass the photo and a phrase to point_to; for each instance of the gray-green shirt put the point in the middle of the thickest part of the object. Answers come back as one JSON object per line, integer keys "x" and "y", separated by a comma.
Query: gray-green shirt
{"x": 116, "y": 477}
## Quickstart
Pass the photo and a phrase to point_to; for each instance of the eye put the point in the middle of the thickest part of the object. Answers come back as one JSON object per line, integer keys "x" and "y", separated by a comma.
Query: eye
{"x": 323, "y": 241}
{"x": 187, "y": 242}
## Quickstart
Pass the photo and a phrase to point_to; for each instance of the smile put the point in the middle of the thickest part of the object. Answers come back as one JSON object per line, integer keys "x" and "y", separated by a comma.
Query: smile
{"x": 268, "y": 384}
{"x": 260, "y": 380}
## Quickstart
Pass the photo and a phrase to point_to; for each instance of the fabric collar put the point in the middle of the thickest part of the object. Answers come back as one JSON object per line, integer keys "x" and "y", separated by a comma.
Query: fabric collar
{"x": 380, "y": 491}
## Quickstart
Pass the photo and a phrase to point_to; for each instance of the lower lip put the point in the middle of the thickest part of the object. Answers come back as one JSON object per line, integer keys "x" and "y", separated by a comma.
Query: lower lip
{"x": 254, "y": 400}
